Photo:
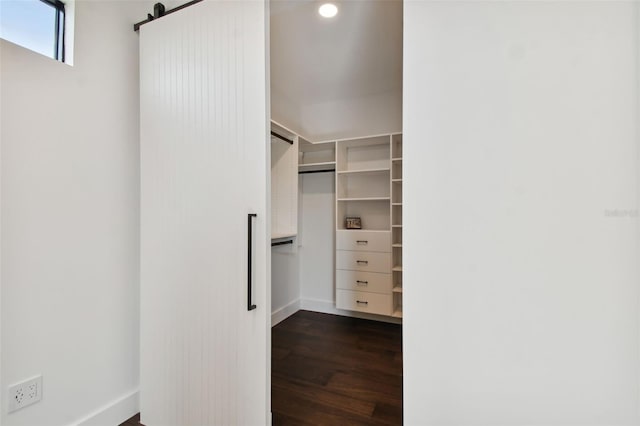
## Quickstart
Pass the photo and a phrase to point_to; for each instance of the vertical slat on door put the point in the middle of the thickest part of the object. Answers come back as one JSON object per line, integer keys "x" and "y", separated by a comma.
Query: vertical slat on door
{"x": 203, "y": 168}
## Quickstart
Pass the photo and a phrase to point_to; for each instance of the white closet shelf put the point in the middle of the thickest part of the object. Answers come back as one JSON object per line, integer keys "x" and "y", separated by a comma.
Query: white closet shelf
{"x": 397, "y": 289}
{"x": 365, "y": 199}
{"x": 397, "y": 269}
{"x": 282, "y": 235}
{"x": 396, "y": 245}
{"x": 397, "y": 159}
{"x": 397, "y": 226}
{"x": 322, "y": 163}
{"x": 396, "y": 180}
{"x": 397, "y": 313}
{"x": 364, "y": 229}
{"x": 364, "y": 171}
{"x": 310, "y": 167}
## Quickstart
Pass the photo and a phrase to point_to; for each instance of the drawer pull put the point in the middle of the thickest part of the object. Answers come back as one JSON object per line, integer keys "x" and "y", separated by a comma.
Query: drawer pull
{"x": 362, "y": 262}
{"x": 360, "y": 302}
{"x": 362, "y": 283}
{"x": 362, "y": 242}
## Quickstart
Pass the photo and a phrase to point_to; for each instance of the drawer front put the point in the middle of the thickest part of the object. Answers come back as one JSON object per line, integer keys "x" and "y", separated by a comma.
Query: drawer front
{"x": 363, "y": 261}
{"x": 364, "y": 281}
{"x": 373, "y": 303}
{"x": 363, "y": 241}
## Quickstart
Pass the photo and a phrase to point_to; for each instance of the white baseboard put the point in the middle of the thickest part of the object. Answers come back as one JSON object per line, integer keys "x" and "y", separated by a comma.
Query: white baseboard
{"x": 325, "y": 307}
{"x": 285, "y": 312}
{"x": 115, "y": 412}
{"x": 329, "y": 307}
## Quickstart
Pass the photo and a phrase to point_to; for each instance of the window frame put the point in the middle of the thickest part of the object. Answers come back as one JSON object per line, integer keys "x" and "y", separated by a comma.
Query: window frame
{"x": 60, "y": 24}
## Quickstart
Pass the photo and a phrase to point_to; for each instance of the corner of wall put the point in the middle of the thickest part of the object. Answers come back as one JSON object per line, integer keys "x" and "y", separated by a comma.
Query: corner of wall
{"x": 285, "y": 312}
{"x": 114, "y": 412}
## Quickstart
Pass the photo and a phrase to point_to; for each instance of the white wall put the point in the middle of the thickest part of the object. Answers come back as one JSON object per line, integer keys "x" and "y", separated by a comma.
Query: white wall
{"x": 316, "y": 238}
{"x": 285, "y": 110}
{"x": 352, "y": 118}
{"x": 521, "y": 287}
{"x": 285, "y": 282}
{"x": 70, "y": 194}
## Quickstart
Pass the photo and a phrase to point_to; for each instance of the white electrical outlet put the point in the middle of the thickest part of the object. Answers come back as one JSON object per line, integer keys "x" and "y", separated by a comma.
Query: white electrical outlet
{"x": 25, "y": 393}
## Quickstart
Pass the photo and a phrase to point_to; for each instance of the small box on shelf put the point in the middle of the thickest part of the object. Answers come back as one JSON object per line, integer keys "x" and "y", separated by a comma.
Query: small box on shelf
{"x": 353, "y": 223}
{"x": 373, "y": 214}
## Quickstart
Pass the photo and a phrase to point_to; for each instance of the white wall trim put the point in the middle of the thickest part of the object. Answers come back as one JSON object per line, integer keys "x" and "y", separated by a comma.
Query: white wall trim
{"x": 285, "y": 312}
{"x": 115, "y": 412}
{"x": 328, "y": 307}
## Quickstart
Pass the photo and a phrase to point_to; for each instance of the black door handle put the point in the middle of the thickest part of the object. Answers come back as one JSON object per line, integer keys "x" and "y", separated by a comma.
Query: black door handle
{"x": 250, "y": 216}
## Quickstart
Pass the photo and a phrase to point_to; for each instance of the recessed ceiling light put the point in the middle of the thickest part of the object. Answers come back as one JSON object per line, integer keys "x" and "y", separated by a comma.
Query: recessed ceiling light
{"x": 328, "y": 10}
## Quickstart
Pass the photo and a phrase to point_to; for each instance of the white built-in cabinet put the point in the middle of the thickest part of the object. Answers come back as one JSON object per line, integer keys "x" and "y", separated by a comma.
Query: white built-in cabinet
{"x": 368, "y": 261}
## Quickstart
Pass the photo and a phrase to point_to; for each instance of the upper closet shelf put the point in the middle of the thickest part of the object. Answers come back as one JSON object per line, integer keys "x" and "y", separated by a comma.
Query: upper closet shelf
{"x": 365, "y": 199}
{"x": 316, "y": 157}
{"x": 315, "y": 167}
{"x": 364, "y": 171}
{"x": 281, "y": 235}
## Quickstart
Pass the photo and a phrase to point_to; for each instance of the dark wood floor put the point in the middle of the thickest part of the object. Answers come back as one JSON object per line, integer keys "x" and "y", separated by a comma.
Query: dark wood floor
{"x": 333, "y": 370}
{"x": 133, "y": 421}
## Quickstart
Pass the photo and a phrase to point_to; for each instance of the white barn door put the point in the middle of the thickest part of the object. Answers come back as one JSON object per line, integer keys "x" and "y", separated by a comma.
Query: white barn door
{"x": 203, "y": 127}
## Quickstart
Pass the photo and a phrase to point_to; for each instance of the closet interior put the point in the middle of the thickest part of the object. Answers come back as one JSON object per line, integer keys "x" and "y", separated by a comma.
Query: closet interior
{"x": 365, "y": 272}
{"x": 336, "y": 160}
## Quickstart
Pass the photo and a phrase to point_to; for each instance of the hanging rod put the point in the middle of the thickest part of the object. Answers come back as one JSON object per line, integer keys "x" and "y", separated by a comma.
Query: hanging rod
{"x": 289, "y": 141}
{"x": 281, "y": 243}
{"x": 159, "y": 12}
{"x": 306, "y": 172}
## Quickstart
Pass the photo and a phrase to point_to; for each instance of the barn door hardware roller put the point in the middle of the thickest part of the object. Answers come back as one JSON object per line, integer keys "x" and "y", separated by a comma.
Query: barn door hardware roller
{"x": 159, "y": 11}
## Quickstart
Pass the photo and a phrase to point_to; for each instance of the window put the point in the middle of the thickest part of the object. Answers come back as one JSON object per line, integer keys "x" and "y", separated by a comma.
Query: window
{"x": 38, "y": 25}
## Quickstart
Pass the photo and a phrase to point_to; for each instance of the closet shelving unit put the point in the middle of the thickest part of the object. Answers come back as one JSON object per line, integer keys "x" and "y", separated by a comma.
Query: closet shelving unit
{"x": 316, "y": 157}
{"x": 362, "y": 182}
{"x": 368, "y": 173}
{"x": 396, "y": 222}
{"x": 284, "y": 184}
{"x": 364, "y": 259}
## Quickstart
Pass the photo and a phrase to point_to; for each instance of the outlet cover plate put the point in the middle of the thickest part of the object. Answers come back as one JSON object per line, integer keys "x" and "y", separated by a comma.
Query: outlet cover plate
{"x": 25, "y": 393}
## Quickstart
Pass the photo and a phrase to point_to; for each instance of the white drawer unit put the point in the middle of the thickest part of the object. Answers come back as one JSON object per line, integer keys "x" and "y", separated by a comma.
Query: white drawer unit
{"x": 364, "y": 281}
{"x": 363, "y": 261}
{"x": 363, "y": 240}
{"x": 373, "y": 303}
{"x": 368, "y": 276}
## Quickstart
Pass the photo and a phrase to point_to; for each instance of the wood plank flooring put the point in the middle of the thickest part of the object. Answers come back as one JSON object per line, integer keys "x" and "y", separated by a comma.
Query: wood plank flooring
{"x": 333, "y": 370}
{"x": 133, "y": 421}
